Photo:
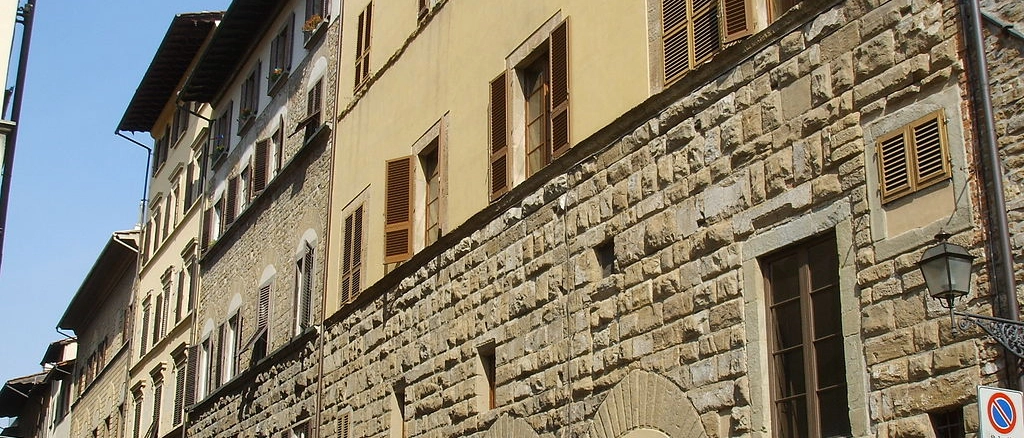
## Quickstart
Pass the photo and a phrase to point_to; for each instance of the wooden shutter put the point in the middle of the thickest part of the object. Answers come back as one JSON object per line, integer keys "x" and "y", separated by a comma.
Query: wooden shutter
{"x": 232, "y": 202}
{"x": 706, "y": 37}
{"x": 179, "y": 391}
{"x": 207, "y": 228}
{"x": 259, "y": 174}
{"x": 263, "y": 308}
{"x": 191, "y": 368}
{"x": 675, "y": 38}
{"x": 893, "y": 166}
{"x": 558, "y": 52}
{"x": 306, "y": 311}
{"x": 499, "y": 170}
{"x": 398, "y": 210}
{"x": 343, "y": 425}
{"x": 216, "y": 359}
{"x": 352, "y": 257}
{"x": 931, "y": 163}
{"x": 736, "y": 19}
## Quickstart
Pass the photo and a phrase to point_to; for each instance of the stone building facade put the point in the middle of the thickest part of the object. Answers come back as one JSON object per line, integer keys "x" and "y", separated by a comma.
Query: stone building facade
{"x": 267, "y": 206}
{"x": 97, "y": 315}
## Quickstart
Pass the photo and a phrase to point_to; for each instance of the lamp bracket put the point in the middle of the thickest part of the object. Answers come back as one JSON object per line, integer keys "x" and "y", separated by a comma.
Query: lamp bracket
{"x": 1008, "y": 333}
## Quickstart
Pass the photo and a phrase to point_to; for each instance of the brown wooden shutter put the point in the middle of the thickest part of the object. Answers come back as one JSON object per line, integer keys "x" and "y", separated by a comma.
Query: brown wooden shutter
{"x": 190, "y": 379}
{"x": 559, "y": 59}
{"x": 179, "y": 391}
{"x": 357, "y": 251}
{"x": 306, "y": 311}
{"x": 232, "y": 202}
{"x": 499, "y": 170}
{"x": 207, "y": 228}
{"x": 675, "y": 38}
{"x": 398, "y": 210}
{"x": 215, "y": 359}
{"x": 930, "y": 154}
{"x": 893, "y": 166}
{"x": 736, "y": 19}
{"x": 352, "y": 257}
{"x": 259, "y": 174}
{"x": 346, "y": 262}
{"x": 707, "y": 39}
{"x": 263, "y": 308}
{"x": 343, "y": 426}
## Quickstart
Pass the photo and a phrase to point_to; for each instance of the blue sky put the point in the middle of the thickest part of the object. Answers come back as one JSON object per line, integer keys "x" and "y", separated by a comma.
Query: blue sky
{"x": 74, "y": 182}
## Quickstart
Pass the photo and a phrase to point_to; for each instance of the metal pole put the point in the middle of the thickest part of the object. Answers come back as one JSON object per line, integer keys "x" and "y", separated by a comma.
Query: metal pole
{"x": 27, "y": 14}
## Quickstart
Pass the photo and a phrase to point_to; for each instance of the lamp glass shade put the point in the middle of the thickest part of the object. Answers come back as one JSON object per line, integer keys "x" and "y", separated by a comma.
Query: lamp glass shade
{"x": 947, "y": 272}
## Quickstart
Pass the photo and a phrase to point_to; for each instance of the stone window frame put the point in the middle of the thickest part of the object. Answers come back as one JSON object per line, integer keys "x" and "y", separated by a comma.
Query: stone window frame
{"x": 836, "y": 218}
{"x": 950, "y": 102}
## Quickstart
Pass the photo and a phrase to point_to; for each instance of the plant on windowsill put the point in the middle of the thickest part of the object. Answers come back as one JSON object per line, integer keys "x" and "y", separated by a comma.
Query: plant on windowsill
{"x": 313, "y": 29}
{"x": 245, "y": 117}
{"x": 276, "y": 77}
{"x": 219, "y": 149}
{"x": 276, "y": 74}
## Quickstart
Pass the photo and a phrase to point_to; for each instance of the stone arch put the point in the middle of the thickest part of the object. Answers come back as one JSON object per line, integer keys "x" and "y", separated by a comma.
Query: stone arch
{"x": 508, "y": 427}
{"x": 646, "y": 401}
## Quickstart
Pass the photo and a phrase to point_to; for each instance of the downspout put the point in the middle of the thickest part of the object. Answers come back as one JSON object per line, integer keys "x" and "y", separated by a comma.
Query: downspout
{"x": 27, "y": 13}
{"x": 145, "y": 181}
{"x": 999, "y": 248}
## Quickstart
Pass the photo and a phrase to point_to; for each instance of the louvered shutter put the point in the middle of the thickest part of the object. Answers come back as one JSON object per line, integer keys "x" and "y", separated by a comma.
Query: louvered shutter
{"x": 499, "y": 169}
{"x": 259, "y": 174}
{"x": 559, "y": 59}
{"x": 307, "y": 289}
{"x": 207, "y": 228}
{"x": 357, "y": 252}
{"x": 675, "y": 38}
{"x": 398, "y": 210}
{"x": 343, "y": 426}
{"x": 215, "y": 360}
{"x": 232, "y": 202}
{"x": 263, "y": 308}
{"x": 736, "y": 19}
{"x": 893, "y": 166}
{"x": 179, "y": 391}
{"x": 930, "y": 157}
{"x": 707, "y": 38}
{"x": 191, "y": 383}
{"x": 346, "y": 262}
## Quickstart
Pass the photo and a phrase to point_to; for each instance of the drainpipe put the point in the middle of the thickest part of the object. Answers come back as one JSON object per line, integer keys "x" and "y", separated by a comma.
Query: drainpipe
{"x": 999, "y": 248}
{"x": 27, "y": 14}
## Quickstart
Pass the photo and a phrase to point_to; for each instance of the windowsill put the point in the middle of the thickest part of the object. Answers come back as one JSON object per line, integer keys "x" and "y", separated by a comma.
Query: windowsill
{"x": 244, "y": 124}
{"x": 315, "y": 35}
{"x": 217, "y": 159}
{"x": 275, "y": 85}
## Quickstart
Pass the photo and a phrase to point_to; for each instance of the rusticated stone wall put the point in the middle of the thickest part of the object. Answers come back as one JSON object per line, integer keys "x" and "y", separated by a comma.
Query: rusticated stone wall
{"x": 771, "y": 143}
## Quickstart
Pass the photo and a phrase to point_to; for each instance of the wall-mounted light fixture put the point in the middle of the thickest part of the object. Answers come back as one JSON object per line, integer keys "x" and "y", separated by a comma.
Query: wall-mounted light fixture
{"x": 947, "y": 274}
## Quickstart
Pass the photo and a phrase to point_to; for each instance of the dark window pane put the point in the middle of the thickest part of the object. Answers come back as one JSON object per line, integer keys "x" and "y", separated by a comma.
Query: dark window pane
{"x": 826, "y": 313}
{"x": 831, "y": 365}
{"x": 834, "y": 413}
{"x": 791, "y": 380}
{"x": 784, "y": 278}
{"x": 788, "y": 328}
{"x": 793, "y": 418}
{"x": 823, "y": 261}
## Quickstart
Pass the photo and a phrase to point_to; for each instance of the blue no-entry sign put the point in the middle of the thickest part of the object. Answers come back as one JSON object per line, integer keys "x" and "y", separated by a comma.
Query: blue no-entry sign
{"x": 999, "y": 412}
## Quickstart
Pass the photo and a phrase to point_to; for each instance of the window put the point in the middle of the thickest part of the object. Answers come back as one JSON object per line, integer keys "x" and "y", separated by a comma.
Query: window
{"x": 192, "y": 176}
{"x": 180, "y": 372}
{"x": 203, "y": 374}
{"x": 160, "y": 149}
{"x": 245, "y": 187}
{"x": 314, "y": 101}
{"x": 605, "y": 254}
{"x": 137, "y": 427}
{"x": 158, "y": 392}
{"x": 180, "y": 124}
{"x": 487, "y": 391}
{"x": 352, "y": 259}
{"x": 280, "y": 56}
{"x": 304, "y": 290}
{"x": 229, "y": 348}
{"x": 315, "y": 7}
{"x": 343, "y": 425}
{"x": 249, "y": 104}
{"x": 221, "y": 134}
{"x": 144, "y": 339}
{"x": 430, "y": 163}
{"x": 231, "y": 208}
{"x": 693, "y": 31}
{"x": 948, "y": 424}
{"x": 192, "y": 268}
{"x": 913, "y": 157}
{"x": 364, "y": 28}
{"x": 397, "y": 426}
{"x": 398, "y": 210}
{"x": 542, "y": 86}
{"x": 277, "y": 146}
{"x": 807, "y": 362}
{"x": 181, "y": 295}
{"x": 300, "y": 431}
{"x": 158, "y": 312}
{"x": 262, "y": 339}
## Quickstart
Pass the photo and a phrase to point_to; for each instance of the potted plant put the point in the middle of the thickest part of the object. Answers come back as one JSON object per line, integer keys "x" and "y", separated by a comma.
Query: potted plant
{"x": 312, "y": 23}
{"x": 276, "y": 74}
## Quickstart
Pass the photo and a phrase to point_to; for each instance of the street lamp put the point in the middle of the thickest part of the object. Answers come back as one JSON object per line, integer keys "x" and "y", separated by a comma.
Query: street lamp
{"x": 946, "y": 268}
